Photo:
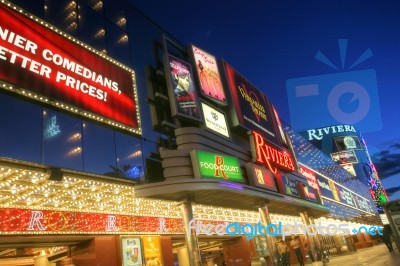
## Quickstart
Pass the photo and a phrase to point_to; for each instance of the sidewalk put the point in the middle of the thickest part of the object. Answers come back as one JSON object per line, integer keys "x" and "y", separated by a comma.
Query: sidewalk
{"x": 373, "y": 256}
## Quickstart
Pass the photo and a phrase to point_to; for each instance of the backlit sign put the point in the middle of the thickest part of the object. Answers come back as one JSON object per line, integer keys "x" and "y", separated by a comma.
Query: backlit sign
{"x": 251, "y": 108}
{"x": 215, "y": 120}
{"x": 269, "y": 155}
{"x": 310, "y": 176}
{"x": 335, "y": 192}
{"x": 319, "y": 133}
{"x": 44, "y": 64}
{"x": 208, "y": 75}
{"x": 347, "y": 143}
{"x": 216, "y": 166}
{"x": 181, "y": 88}
{"x": 288, "y": 185}
{"x": 260, "y": 176}
{"x": 20, "y": 221}
{"x": 344, "y": 157}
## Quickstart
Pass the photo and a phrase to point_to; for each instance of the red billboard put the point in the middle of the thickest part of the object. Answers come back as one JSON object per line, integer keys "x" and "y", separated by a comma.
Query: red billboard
{"x": 45, "y": 64}
{"x": 20, "y": 221}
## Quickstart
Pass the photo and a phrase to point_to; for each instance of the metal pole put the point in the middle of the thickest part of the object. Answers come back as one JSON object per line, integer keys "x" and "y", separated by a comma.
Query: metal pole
{"x": 266, "y": 220}
{"x": 190, "y": 235}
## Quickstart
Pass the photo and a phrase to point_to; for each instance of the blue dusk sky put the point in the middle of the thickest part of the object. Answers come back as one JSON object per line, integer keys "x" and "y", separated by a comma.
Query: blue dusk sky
{"x": 319, "y": 62}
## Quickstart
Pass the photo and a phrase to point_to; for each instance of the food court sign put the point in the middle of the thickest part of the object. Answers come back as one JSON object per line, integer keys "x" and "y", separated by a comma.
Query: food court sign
{"x": 44, "y": 64}
{"x": 211, "y": 165}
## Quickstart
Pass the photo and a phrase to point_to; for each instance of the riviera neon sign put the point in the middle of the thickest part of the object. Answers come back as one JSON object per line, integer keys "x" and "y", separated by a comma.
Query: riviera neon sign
{"x": 270, "y": 156}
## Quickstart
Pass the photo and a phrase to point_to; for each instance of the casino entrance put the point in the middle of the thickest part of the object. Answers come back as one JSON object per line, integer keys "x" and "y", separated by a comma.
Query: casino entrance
{"x": 63, "y": 250}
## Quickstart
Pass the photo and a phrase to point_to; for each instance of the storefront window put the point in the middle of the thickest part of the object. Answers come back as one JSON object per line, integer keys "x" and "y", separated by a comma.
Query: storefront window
{"x": 20, "y": 136}
{"x": 98, "y": 149}
{"x": 92, "y": 30}
{"x": 117, "y": 44}
{"x": 129, "y": 157}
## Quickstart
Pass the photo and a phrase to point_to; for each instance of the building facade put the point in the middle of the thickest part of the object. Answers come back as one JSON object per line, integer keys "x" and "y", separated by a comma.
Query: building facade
{"x": 116, "y": 138}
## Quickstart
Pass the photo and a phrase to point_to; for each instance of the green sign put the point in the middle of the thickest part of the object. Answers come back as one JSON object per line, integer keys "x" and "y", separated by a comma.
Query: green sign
{"x": 211, "y": 165}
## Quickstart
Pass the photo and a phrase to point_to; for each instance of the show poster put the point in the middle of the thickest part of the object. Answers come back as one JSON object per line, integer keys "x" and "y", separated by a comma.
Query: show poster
{"x": 251, "y": 108}
{"x": 345, "y": 143}
{"x": 152, "y": 251}
{"x": 310, "y": 176}
{"x": 208, "y": 75}
{"x": 344, "y": 157}
{"x": 39, "y": 62}
{"x": 260, "y": 176}
{"x": 288, "y": 185}
{"x": 131, "y": 251}
{"x": 182, "y": 92}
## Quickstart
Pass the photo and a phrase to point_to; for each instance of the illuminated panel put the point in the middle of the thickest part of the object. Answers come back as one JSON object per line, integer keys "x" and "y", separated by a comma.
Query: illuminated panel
{"x": 181, "y": 90}
{"x": 269, "y": 155}
{"x": 42, "y": 63}
{"x": 335, "y": 192}
{"x": 288, "y": 185}
{"x": 152, "y": 250}
{"x": 347, "y": 143}
{"x": 260, "y": 176}
{"x": 26, "y": 221}
{"x": 250, "y": 108}
{"x": 310, "y": 176}
{"x": 216, "y": 166}
{"x": 215, "y": 120}
{"x": 208, "y": 75}
{"x": 344, "y": 157}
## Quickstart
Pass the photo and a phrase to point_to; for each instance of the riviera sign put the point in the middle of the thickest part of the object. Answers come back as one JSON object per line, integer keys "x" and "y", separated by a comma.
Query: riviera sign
{"x": 270, "y": 156}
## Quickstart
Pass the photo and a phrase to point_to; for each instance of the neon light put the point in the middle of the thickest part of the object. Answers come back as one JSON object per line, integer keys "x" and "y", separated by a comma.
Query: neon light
{"x": 271, "y": 156}
{"x": 230, "y": 185}
{"x": 52, "y": 129}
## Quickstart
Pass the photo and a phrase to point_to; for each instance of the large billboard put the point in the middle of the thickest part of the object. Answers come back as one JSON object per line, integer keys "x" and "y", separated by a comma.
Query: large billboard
{"x": 42, "y": 63}
{"x": 251, "y": 108}
{"x": 335, "y": 192}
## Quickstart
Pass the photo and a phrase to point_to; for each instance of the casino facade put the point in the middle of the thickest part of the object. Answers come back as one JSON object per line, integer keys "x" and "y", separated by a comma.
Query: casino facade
{"x": 120, "y": 145}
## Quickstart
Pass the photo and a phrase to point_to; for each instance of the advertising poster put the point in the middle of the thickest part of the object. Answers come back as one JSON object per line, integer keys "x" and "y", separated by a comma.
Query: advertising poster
{"x": 347, "y": 143}
{"x": 310, "y": 175}
{"x": 260, "y": 176}
{"x": 325, "y": 188}
{"x": 131, "y": 251}
{"x": 335, "y": 192}
{"x": 346, "y": 196}
{"x": 349, "y": 168}
{"x": 288, "y": 185}
{"x": 54, "y": 68}
{"x": 251, "y": 108}
{"x": 344, "y": 157}
{"x": 152, "y": 251}
{"x": 396, "y": 221}
{"x": 208, "y": 75}
{"x": 182, "y": 92}
{"x": 215, "y": 120}
{"x": 309, "y": 193}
